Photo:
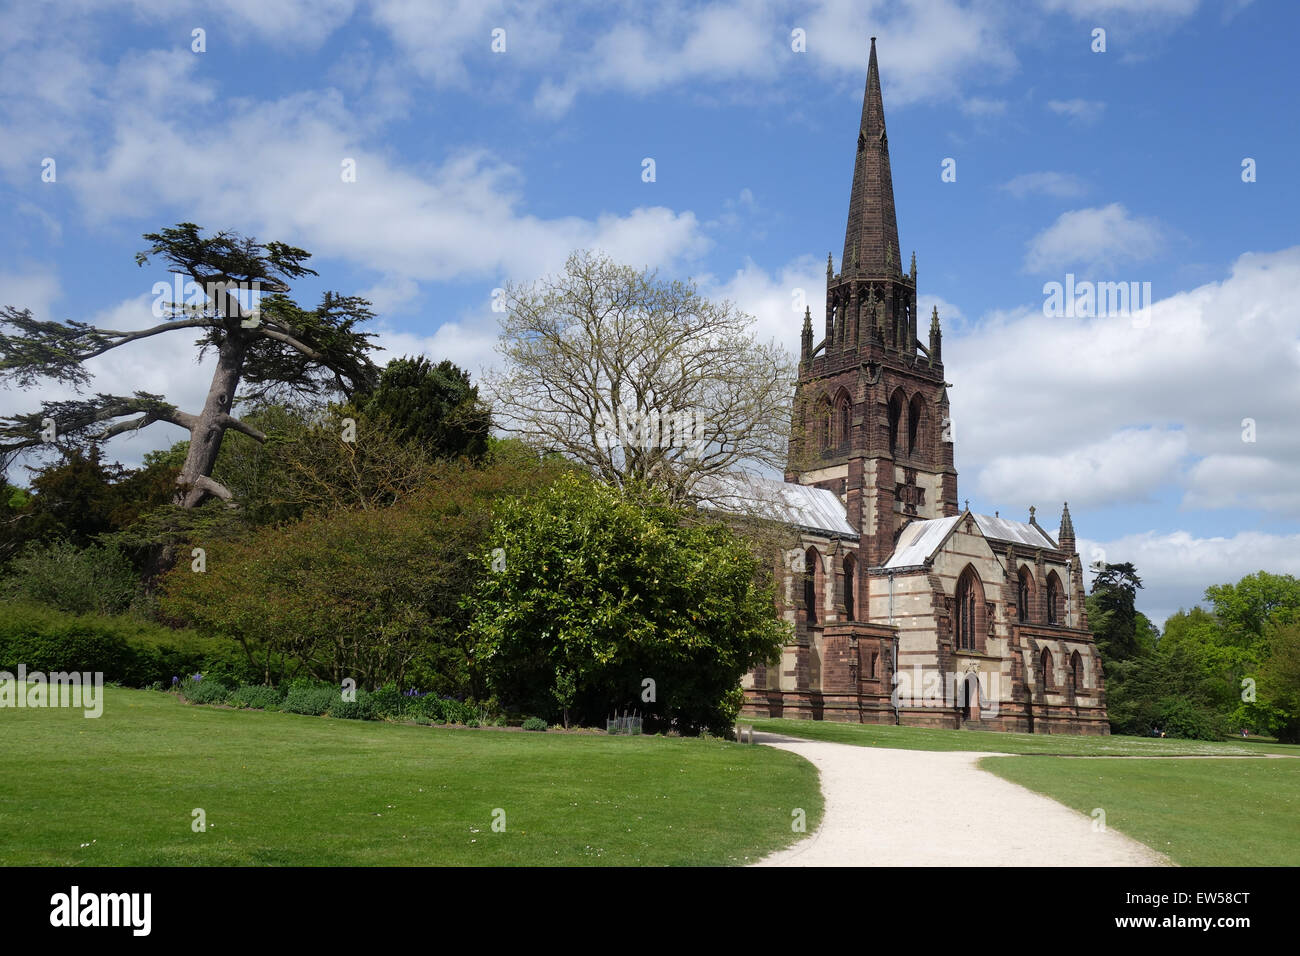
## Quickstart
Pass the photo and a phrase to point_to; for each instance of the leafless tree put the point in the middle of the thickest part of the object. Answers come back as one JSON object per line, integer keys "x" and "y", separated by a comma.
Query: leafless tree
{"x": 644, "y": 381}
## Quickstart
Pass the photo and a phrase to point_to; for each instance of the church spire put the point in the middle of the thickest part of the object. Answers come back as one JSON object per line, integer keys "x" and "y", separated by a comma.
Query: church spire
{"x": 1066, "y": 536}
{"x": 872, "y": 232}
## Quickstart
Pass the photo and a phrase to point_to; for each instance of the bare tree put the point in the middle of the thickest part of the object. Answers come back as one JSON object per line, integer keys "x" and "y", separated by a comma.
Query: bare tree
{"x": 644, "y": 381}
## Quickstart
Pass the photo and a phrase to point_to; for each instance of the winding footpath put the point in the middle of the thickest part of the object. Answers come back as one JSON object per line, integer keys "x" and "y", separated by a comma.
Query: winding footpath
{"x": 937, "y": 808}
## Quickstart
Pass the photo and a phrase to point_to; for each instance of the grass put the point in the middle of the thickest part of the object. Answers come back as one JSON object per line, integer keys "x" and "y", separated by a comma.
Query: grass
{"x": 1197, "y": 812}
{"x": 280, "y": 789}
{"x": 925, "y": 738}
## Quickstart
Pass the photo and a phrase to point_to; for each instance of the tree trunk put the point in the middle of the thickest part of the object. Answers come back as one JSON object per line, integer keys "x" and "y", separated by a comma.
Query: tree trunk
{"x": 205, "y": 437}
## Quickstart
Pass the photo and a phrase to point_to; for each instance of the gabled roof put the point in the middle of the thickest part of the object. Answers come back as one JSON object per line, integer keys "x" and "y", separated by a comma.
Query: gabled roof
{"x": 1016, "y": 532}
{"x": 921, "y": 539}
{"x": 812, "y": 509}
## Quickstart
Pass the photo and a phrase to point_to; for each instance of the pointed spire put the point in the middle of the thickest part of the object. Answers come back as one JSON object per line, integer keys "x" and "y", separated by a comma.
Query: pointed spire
{"x": 830, "y": 267}
{"x": 936, "y": 338}
{"x": 805, "y": 339}
{"x": 872, "y": 225}
{"x": 1066, "y": 535}
{"x": 913, "y": 271}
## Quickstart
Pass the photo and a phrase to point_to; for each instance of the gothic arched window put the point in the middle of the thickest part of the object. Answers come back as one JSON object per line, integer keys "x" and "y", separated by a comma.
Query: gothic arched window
{"x": 1053, "y": 587}
{"x": 968, "y": 602}
{"x": 1022, "y": 596}
{"x": 811, "y": 563}
{"x": 848, "y": 587}
{"x": 1045, "y": 662}
{"x": 915, "y": 412}
{"x": 895, "y": 414}
{"x": 1076, "y": 672}
{"x": 846, "y": 421}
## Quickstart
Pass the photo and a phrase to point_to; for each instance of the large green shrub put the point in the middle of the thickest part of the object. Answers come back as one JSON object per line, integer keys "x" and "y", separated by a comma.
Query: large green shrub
{"x": 371, "y": 594}
{"x": 1179, "y": 717}
{"x": 127, "y": 650}
{"x": 597, "y": 593}
{"x": 98, "y": 579}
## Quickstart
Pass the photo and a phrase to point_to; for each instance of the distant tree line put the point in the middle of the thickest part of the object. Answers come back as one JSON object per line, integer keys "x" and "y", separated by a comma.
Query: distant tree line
{"x": 1214, "y": 671}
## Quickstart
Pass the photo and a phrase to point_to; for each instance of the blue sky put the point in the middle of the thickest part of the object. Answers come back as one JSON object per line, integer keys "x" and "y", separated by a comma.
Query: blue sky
{"x": 475, "y": 168}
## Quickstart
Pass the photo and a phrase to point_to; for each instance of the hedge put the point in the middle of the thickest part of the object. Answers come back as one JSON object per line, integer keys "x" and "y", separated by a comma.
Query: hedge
{"x": 126, "y": 649}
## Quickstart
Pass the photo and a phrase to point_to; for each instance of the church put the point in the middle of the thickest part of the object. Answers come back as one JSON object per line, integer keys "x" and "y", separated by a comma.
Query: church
{"x": 906, "y": 607}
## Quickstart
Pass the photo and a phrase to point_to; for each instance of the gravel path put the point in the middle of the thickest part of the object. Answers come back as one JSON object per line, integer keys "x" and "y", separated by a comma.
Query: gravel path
{"x": 936, "y": 808}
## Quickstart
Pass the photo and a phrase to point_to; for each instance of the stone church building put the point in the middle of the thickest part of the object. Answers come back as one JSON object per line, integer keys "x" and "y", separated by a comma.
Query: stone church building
{"x": 906, "y": 607}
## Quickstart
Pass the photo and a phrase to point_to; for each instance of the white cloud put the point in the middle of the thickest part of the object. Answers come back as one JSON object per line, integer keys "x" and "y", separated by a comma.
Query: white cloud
{"x": 1061, "y": 185}
{"x": 1245, "y": 481}
{"x": 777, "y": 301}
{"x": 1082, "y": 111}
{"x": 461, "y": 219}
{"x": 469, "y": 341}
{"x": 35, "y": 289}
{"x": 1085, "y": 9}
{"x": 932, "y": 45}
{"x": 1103, "y": 237}
{"x": 1176, "y": 567}
{"x": 979, "y": 106}
{"x": 1105, "y": 394}
{"x": 951, "y": 317}
{"x": 284, "y": 23}
{"x": 1124, "y": 467}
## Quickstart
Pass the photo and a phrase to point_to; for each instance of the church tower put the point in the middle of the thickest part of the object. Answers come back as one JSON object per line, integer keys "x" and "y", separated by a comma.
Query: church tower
{"x": 871, "y": 416}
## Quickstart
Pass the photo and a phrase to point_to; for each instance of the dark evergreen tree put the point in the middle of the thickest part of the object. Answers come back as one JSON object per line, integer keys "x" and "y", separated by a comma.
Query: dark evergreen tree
{"x": 434, "y": 405}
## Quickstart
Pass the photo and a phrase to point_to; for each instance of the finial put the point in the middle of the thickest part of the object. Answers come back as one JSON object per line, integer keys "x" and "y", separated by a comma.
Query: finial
{"x": 830, "y": 268}
{"x": 968, "y": 504}
{"x": 913, "y": 263}
{"x": 1031, "y": 514}
{"x": 934, "y": 320}
{"x": 1067, "y": 525}
{"x": 807, "y": 317}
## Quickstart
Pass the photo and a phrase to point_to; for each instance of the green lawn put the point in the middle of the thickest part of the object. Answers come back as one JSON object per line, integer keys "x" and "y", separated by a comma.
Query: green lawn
{"x": 1197, "y": 812}
{"x": 280, "y": 789}
{"x": 924, "y": 738}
